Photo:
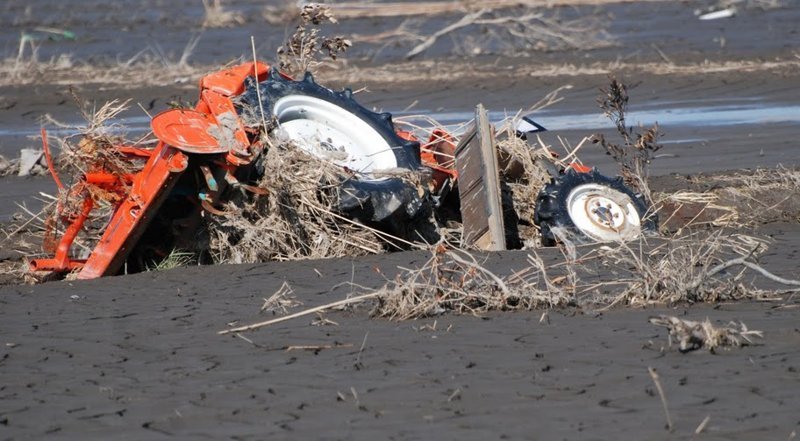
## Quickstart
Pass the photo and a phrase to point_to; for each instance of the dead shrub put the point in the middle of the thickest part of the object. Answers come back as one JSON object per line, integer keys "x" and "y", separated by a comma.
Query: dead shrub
{"x": 302, "y": 52}
{"x": 638, "y": 147}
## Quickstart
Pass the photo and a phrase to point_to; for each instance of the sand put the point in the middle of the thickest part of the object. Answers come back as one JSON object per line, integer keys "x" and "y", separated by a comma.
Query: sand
{"x": 139, "y": 357}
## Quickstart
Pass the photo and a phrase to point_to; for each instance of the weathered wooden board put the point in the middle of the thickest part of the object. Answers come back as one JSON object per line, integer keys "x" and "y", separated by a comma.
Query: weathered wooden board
{"x": 479, "y": 186}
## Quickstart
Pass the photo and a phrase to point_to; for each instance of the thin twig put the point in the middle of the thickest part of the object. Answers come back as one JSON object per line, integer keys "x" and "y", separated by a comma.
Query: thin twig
{"x": 769, "y": 275}
{"x": 654, "y": 376}
{"x": 344, "y": 302}
{"x": 702, "y": 425}
{"x": 258, "y": 87}
{"x": 464, "y": 21}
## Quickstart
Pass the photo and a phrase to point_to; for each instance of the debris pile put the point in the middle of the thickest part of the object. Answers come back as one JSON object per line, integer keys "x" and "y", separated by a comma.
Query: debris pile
{"x": 295, "y": 218}
{"x": 30, "y": 162}
{"x": 692, "y": 335}
{"x": 271, "y": 167}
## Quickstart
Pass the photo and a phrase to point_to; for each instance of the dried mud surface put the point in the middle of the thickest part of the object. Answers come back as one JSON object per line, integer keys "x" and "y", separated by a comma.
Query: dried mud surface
{"x": 138, "y": 357}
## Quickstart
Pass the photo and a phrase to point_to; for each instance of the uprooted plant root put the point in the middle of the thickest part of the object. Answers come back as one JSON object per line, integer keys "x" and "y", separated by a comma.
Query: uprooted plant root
{"x": 692, "y": 335}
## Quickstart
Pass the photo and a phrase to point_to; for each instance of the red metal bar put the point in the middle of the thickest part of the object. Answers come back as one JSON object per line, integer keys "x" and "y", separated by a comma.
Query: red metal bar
{"x": 49, "y": 158}
{"x": 61, "y": 261}
{"x": 150, "y": 187}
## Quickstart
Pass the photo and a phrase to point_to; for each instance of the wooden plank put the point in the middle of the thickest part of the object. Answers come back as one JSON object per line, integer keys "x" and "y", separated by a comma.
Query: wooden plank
{"x": 479, "y": 186}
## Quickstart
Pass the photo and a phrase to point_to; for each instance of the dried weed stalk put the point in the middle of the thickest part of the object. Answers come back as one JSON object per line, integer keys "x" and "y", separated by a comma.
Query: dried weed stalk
{"x": 296, "y": 219}
{"x": 692, "y": 335}
{"x": 280, "y": 301}
{"x": 638, "y": 148}
{"x": 454, "y": 280}
{"x": 301, "y": 53}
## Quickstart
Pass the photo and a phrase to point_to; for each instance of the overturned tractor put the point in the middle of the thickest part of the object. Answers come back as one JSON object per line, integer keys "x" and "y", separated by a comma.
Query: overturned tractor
{"x": 384, "y": 178}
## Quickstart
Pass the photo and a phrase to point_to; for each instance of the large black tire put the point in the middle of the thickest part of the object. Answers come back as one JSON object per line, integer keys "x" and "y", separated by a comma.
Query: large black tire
{"x": 590, "y": 208}
{"x": 367, "y": 198}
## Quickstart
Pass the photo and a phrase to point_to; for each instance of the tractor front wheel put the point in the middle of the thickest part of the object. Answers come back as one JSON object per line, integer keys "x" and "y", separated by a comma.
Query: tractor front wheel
{"x": 590, "y": 207}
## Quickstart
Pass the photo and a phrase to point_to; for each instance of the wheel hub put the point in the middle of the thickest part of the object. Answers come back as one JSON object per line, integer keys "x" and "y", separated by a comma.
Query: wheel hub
{"x": 603, "y": 213}
{"x": 331, "y": 132}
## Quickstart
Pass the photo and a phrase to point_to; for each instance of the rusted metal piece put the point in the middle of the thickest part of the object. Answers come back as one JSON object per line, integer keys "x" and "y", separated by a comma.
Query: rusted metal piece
{"x": 61, "y": 261}
{"x": 479, "y": 186}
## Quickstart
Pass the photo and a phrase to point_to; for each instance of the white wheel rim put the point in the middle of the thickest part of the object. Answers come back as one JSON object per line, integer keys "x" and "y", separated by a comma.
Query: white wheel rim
{"x": 603, "y": 214}
{"x": 330, "y": 132}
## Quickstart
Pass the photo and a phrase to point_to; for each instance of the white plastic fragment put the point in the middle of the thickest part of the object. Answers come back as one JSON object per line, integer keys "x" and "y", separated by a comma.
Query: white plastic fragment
{"x": 722, "y": 13}
{"x": 28, "y": 158}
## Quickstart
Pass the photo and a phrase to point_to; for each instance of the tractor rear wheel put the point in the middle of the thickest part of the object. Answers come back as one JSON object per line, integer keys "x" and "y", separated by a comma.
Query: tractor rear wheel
{"x": 333, "y": 126}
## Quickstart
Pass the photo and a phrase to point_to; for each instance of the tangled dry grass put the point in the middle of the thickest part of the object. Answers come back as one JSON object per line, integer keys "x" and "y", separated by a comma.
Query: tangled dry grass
{"x": 687, "y": 268}
{"x": 678, "y": 270}
{"x": 296, "y": 219}
{"x": 733, "y": 200}
{"x": 454, "y": 280}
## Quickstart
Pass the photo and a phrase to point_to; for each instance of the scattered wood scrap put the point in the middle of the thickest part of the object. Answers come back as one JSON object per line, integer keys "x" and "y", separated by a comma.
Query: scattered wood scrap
{"x": 479, "y": 186}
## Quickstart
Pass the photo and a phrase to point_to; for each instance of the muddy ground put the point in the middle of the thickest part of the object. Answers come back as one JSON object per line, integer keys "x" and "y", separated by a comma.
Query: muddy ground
{"x": 138, "y": 357}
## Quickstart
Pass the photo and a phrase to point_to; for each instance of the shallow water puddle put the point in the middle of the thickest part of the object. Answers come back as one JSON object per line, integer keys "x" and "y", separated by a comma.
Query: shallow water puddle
{"x": 667, "y": 114}
{"x": 671, "y": 115}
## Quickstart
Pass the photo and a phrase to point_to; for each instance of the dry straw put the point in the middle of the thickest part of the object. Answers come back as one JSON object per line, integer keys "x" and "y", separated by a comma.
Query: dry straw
{"x": 297, "y": 218}
{"x": 454, "y": 280}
